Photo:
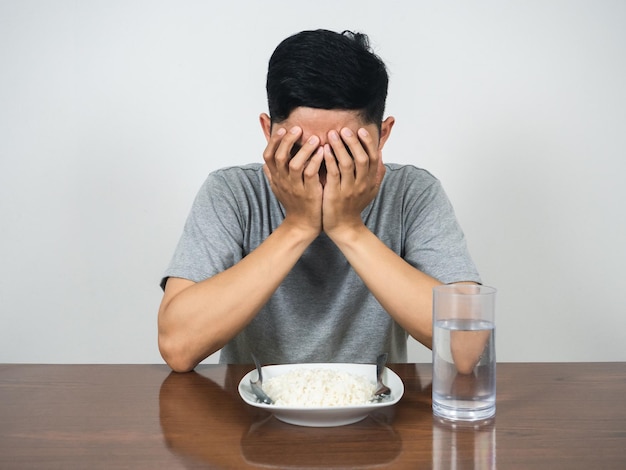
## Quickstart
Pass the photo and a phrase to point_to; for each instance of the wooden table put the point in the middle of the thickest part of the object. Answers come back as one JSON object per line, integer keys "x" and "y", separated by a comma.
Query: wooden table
{"x": 569, "y": 415}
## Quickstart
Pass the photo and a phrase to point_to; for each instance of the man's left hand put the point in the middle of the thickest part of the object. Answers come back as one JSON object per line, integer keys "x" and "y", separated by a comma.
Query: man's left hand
{"x": 354, "y": 172}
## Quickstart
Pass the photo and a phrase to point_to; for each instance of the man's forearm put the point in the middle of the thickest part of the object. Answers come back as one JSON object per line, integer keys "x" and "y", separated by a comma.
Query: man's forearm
{"x": 402, "y": 290}
{"x": 197, "y": 319}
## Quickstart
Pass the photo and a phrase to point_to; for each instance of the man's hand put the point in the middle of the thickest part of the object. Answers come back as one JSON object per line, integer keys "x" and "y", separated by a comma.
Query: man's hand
{"x": 293, "y": 173}
{"x": 354, "y": 173}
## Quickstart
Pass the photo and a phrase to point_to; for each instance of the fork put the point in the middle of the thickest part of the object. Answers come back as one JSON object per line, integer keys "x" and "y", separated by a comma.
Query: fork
{"x": 257, "y": 384}
{"x": 382, "y": 391}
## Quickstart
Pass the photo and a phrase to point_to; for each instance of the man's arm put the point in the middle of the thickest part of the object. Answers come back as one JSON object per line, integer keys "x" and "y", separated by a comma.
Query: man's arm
{"x": 197, "y": 319}
{"x": 352, "y": 182}
{"x": 402, "y": 290}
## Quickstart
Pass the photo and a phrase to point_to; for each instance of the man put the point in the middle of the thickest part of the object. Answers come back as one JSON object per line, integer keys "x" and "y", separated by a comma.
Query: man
{"x": 324, "y": 253}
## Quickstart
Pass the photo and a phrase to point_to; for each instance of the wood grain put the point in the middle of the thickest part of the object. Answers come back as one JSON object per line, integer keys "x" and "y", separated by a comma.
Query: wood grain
{"x": 549, "y": 415}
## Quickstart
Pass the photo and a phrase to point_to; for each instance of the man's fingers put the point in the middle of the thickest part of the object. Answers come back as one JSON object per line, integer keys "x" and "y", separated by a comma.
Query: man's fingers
{"x": 300, "y": 159}
{"x": 371, "y": 149}
{"x": 270, "y": 150}
{"x": 312, "y": 167}
{"x": 359, "y": 154}
{"x": 345, "y": 162}
{"x": 332, "y": 170}
{"x": 283, "y": 152}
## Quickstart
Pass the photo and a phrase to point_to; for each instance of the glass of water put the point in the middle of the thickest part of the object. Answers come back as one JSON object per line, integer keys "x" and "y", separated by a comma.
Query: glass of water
{"x": 464, "y": 355}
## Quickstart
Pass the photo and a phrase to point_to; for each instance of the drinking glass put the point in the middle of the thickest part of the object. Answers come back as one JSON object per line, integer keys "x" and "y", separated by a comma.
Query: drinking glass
{"x": 464, "y": 356}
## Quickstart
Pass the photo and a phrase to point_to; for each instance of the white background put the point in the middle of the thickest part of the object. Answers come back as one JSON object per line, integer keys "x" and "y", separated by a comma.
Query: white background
{"x": 113, "y": 112}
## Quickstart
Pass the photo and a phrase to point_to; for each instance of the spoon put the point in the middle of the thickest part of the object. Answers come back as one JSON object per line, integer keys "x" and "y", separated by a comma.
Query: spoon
{"x": 382, "y": 391}
{"x": 256, "y": 385}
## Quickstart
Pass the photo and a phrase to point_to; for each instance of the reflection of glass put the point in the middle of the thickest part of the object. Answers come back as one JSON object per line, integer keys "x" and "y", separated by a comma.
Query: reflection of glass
{"x": 272, "y": 443}
{"x": 459, "y": 445}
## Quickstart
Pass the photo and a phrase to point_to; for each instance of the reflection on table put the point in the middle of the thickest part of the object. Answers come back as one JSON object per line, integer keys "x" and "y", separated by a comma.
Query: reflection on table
{"x": 195, "y": 407}
{"x": 255, "y": 437}
{"x": 143, "y": 416}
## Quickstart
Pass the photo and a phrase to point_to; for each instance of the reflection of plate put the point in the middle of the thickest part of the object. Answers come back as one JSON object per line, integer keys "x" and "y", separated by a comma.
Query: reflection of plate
{"x": 328, "y": 415}
{"x": 274, "y": 444}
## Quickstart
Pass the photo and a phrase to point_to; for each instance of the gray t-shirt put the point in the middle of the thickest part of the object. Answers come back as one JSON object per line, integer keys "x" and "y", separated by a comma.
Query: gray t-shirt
{"x": 322, "y": 311}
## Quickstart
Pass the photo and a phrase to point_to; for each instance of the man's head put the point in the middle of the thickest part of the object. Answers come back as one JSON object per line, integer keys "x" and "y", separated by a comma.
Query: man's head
{"x": 326, "y": 70}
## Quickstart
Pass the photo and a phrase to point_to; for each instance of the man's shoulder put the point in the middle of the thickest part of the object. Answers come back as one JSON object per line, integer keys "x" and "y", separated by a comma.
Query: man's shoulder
{"x": 403, "y": 174}
{"x": 237, "y": 171}
{"x": 408, "y": 168}
{"x": 236, "y": 176}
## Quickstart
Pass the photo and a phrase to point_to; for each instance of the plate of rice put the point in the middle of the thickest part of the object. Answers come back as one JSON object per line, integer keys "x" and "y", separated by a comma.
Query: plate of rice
{"x": 321, "y": 394}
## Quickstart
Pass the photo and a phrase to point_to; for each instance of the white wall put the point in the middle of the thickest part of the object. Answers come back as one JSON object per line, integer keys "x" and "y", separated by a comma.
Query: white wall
{"x": 113, "y": 112}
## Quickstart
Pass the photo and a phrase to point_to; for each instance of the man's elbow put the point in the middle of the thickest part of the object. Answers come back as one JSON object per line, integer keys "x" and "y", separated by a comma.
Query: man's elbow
{"x": 175, "y": 356}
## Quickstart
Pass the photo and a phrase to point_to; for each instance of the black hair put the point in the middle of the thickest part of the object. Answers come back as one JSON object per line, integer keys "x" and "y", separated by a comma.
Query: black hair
{"x": 326, "y": 70}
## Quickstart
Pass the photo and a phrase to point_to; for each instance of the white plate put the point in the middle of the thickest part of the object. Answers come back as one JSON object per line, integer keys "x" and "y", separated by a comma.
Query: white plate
{"x": 323, "y": 416}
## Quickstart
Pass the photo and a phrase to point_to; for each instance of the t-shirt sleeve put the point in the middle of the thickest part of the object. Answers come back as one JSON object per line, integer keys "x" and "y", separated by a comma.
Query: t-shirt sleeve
{"x": 212, "y": 238}
{"x": 435, "y": 243}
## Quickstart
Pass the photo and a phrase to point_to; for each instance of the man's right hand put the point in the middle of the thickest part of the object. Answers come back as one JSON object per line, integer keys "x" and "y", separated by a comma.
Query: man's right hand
{"x": 293, "y": 174}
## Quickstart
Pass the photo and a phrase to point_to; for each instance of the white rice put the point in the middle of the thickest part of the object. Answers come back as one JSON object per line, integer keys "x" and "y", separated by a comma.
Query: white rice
{"x": 318, "y": 387}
